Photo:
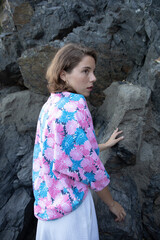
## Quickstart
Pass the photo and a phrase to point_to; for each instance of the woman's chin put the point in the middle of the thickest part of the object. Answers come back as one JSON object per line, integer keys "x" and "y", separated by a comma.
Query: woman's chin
{"x": 86, "y": 94}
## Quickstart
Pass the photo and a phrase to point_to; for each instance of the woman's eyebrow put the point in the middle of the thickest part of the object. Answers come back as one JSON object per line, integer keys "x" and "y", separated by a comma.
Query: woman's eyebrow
{"x": 87, "y": 67}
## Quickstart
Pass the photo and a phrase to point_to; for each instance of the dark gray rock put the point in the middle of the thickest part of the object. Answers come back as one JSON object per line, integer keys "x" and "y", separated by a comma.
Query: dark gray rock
{"x": 21, "y": 108}
{"x": 40, "y": 16}
{"x": 15, "y": 216}
{"x": 127, "y": 112}
{"x": 153, "y": 9}
{"x": 151, "y": 209}
{"x": 103, "y": 26}
{"x": 17, "y": 131}
{"x": 7, "y": 172}
{"x": 126, "y": 35}
{"x": 10, "y": 50}
{"x": 25, "y": 171}
{"x": 123, "y": 190}
{"x": 33, "y": 64}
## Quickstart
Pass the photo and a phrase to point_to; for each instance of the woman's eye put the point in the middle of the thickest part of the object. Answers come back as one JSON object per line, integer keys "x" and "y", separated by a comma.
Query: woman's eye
{"x": 86, "y": 71}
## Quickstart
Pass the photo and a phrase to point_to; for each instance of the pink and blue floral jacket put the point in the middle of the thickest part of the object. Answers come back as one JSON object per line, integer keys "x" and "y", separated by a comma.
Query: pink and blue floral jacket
{"x": 66, "y": 157}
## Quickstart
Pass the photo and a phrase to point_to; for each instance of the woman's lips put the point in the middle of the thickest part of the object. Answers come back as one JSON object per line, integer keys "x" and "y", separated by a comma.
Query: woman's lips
{"x": 90, "y": 88}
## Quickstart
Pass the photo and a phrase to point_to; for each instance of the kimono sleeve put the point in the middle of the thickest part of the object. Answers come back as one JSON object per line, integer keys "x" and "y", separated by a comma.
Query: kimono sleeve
{"x": 79, "y": 152}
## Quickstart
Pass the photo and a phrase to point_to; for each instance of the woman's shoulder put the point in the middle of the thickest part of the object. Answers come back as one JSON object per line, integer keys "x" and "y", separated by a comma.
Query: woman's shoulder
{"x": 73, "y": 96}
{"x": 62, "y": 98}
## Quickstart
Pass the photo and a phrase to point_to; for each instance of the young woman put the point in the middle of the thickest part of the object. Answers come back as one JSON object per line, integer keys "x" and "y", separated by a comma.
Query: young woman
{"x": 66, "y": 162}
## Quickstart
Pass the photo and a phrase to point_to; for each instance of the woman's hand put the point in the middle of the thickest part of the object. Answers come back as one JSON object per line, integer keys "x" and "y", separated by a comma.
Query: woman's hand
{"x": 117, "y": 210}
{"x": 112, "y": 140}
{"x": 114, "y": 206}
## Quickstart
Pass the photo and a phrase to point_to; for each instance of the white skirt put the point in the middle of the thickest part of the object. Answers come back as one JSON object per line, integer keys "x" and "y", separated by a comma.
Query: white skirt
{"x": 80, "y": 224}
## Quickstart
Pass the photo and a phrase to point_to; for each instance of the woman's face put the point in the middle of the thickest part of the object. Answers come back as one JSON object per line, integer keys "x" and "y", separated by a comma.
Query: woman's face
{"x": 82, "y": 77}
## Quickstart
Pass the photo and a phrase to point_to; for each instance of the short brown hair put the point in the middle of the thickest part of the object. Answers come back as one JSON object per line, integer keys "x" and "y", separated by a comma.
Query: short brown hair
{"x": 67, "y": 58}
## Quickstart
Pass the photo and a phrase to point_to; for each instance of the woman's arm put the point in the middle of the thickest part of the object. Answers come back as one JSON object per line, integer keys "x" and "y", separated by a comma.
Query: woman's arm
{"x": 105, "y": 194}
{"x": 112, "y": 141}
{"x": 114, "y": 206}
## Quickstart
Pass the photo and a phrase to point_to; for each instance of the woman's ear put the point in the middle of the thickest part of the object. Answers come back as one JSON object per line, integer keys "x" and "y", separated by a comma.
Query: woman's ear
{"x": 63, "y": 75}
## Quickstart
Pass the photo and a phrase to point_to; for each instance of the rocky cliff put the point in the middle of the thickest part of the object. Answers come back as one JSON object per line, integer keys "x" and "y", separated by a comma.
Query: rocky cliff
{"x": 126, "y": 36}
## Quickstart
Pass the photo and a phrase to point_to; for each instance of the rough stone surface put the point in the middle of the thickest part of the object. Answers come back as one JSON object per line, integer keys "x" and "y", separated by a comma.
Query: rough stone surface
{"x": 22, "y": 15}
{"x": 15, "y": 218}
{"x": 33, "y": 64}
{"x": 19, "y": 112}
{"x": 21, "y": 108}
{"x": 124, "y": 190}
{"x": 151, "y": 209}
{"x": 127, "y": 112}
{"x": 126, "y": 35}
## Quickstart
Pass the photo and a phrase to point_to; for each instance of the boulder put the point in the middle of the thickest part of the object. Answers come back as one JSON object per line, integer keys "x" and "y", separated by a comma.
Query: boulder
{"x": 21, "y": 109}
{"x": 126, "y": 111}
{"x": 151, "y": 209}
{"x": 33, "y": 65}
{"x": 10, "y": 50}
{"x": 19, "y": 114}
{"x": 22, "y": 14}
{"x": 123, "y": 190}
{"x": 15, "y": 218}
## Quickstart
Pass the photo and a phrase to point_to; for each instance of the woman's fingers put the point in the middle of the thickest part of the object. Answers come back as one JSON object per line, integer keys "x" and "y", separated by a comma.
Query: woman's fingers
{"x": 120, "y": 217}
{"x": 119, "y": 211}
{"x": 114, "y": 139}
{"x": 116, "y": 132}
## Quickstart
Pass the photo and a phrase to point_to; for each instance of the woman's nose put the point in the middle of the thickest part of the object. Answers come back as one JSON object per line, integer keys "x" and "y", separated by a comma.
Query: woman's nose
{"x": 93, "y": 78}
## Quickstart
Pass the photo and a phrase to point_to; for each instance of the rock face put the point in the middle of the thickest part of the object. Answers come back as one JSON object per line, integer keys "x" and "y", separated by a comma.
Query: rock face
{"x": 19, "y": 112}
{"x": 151, "y": 209}
{"x": 126, "y": 36}
{"x": 127, "y": 111}
{"x": 33, "y": 64}
{"x": 124, "y": 190}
